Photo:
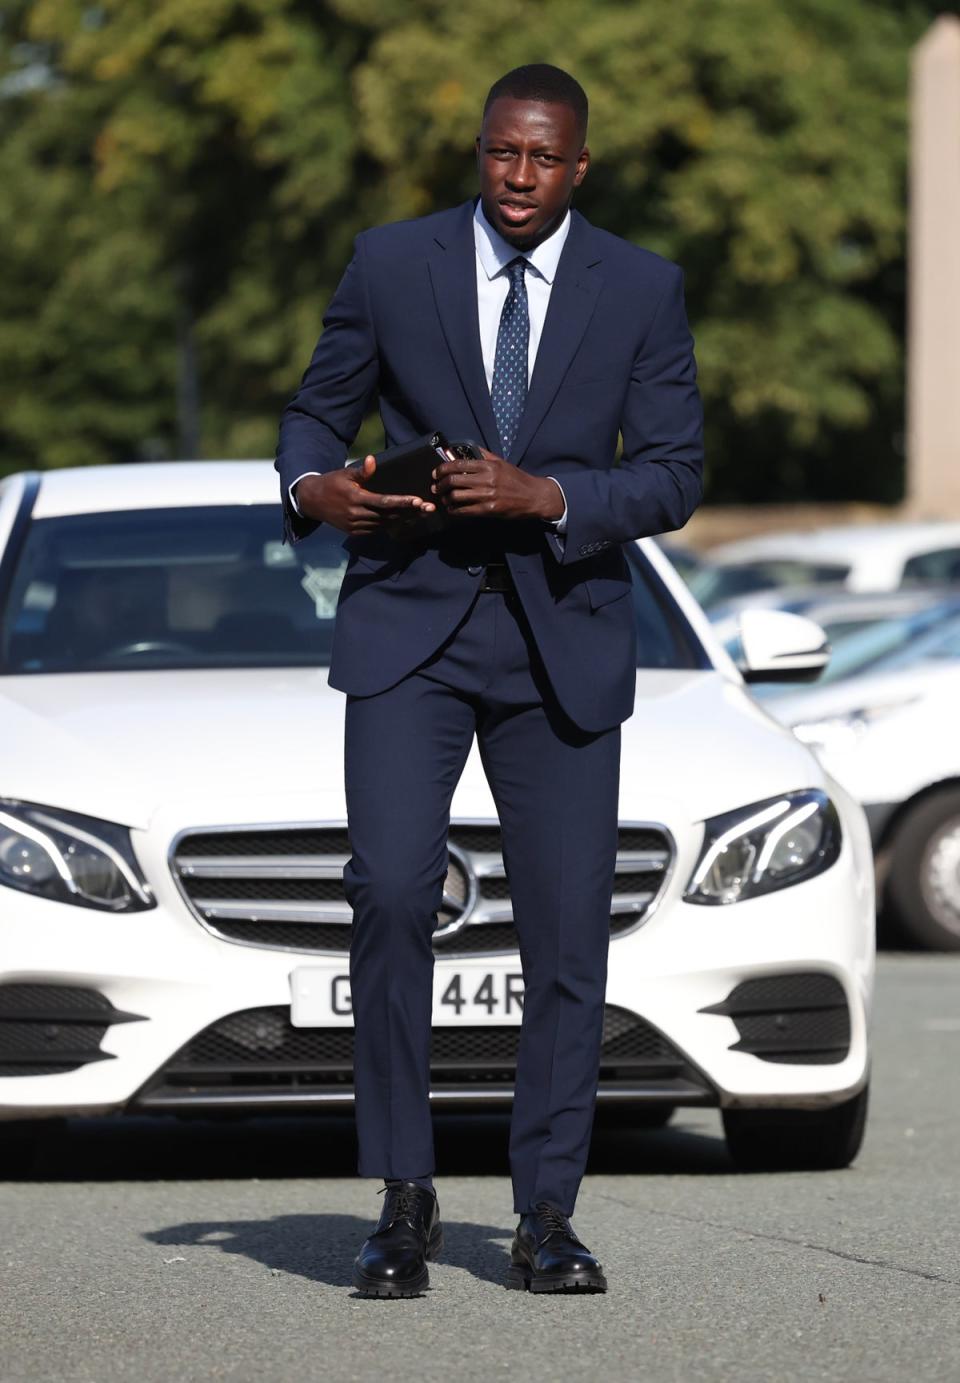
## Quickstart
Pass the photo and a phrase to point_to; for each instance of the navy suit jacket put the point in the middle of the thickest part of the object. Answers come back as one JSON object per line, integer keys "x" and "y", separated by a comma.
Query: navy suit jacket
{"x": 615, "y": 360}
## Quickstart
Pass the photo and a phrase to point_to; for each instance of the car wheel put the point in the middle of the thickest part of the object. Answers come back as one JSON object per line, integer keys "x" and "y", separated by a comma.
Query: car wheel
{"x": 783, "y": 1140}
{"x": 923, "y": 885}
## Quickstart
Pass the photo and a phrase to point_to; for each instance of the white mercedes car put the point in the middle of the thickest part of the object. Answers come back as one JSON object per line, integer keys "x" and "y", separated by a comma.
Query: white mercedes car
{"x": 890, "y": 736}
{"x": 172, "y": 836}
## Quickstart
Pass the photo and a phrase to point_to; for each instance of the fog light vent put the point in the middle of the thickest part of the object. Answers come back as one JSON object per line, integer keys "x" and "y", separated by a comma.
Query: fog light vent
{"x": 48, "y": 1029}
{"x": 800, "y": 1020}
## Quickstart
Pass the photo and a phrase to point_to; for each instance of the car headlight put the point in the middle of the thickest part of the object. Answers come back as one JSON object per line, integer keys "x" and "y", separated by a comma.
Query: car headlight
{"x": 766, "y": 846}
{"x": 70, "y": 858}
{"x": 833, "y": 734}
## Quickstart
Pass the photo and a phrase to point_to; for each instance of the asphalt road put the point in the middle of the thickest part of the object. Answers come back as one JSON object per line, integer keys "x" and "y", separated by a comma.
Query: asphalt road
{"x": 153, "y": 1251}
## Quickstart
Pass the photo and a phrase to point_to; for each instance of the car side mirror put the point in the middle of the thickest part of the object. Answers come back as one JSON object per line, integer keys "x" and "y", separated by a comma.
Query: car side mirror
{"x": 779, "y": 647}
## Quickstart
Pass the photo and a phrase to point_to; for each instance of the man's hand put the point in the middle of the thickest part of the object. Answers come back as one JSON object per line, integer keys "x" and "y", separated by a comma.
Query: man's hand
{"x": 341, "y": 499}
{"x": 493, "y": 488}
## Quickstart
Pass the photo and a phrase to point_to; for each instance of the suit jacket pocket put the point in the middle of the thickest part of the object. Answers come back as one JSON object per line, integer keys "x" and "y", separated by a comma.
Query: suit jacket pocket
{"x": 359, "y": 559}
{"x": 612, "y": 582}
{"x": 378, "y": 556}
{"x": 610, "y": 578}
{"x": 604, "y": 590}
{"x": 370, "y": 550}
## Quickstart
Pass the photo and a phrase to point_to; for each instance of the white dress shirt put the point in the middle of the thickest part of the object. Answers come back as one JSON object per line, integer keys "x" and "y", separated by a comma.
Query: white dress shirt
{"x": 493, "y": 284}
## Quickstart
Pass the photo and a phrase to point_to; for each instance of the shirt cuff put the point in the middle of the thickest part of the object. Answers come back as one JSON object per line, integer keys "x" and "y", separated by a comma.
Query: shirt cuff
{"x": 293, "y": 498}
{"x": 559, "y": 525}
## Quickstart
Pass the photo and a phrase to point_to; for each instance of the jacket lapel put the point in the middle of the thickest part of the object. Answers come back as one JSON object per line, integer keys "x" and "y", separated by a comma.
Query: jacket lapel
{"x": 572, "y": 302}
{"x": 453, "y": 275}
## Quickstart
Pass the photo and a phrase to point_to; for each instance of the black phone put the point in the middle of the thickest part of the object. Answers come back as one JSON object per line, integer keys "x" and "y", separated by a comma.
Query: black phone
{"x": 408, "y": 469}
{"x": 458, "y": 451}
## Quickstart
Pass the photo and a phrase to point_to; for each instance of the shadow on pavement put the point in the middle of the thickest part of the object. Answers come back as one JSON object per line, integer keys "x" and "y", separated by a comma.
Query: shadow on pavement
{"x": 322, "y": 1247}
{"x": 167, "y": 1148}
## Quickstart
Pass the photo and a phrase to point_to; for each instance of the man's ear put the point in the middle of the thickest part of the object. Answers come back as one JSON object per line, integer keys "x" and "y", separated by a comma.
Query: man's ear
{"x": 583, "y": 163}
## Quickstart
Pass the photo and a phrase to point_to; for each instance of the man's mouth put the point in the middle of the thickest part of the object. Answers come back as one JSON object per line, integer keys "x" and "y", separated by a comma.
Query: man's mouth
{"x": 515, "y": 211}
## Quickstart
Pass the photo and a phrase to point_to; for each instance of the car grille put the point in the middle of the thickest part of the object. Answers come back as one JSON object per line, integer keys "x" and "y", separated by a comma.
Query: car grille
{"x": 797, "y": 1020}
{"x": 283, "y": 887}
{"x": 259, "y": 1051}
{"x": 51, "y": 1029}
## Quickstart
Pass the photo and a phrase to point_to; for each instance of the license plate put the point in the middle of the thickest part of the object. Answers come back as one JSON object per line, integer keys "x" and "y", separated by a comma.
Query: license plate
{"x": 320, "y": 997}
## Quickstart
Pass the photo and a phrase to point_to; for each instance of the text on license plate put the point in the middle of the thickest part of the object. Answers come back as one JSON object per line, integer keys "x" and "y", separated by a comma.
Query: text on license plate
{"x": 320, "y": 997}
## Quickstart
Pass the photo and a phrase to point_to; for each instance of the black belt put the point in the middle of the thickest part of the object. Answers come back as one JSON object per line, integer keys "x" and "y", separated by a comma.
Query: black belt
{"x": 496, "y": 577}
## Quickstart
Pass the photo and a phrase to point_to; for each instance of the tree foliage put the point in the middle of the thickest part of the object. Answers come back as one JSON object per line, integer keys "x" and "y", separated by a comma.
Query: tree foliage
{"x": 183, "y": 178}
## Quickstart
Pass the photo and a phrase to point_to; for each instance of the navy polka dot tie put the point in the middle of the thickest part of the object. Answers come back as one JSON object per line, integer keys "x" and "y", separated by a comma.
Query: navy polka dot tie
{"x": 508, "y": 392}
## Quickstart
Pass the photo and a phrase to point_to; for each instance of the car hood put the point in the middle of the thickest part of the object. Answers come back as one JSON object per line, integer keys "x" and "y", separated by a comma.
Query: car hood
{"x": 266, "y": 744}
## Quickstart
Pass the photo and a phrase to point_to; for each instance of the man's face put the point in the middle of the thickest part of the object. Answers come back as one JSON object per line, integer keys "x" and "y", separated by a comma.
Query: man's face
{"x": 530, "y": 159}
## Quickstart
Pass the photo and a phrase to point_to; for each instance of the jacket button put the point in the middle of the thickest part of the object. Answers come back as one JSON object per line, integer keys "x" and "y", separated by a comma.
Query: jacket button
{"x": 474, "y": 571}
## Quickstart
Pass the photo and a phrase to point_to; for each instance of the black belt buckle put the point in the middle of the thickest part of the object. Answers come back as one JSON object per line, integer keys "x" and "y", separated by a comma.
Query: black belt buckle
{"x": 496, "y": 577}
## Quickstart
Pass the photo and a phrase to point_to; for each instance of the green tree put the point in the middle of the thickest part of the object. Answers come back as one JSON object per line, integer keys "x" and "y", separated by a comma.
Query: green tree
{"x": 183, "y": 178}
{"x": 761, "y": 144}
{"x": 175, "y": 173}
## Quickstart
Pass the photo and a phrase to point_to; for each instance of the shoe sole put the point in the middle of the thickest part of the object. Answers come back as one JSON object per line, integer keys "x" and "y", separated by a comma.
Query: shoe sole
{"x": 521, "y": 1279}
{"x": 376, "y": 1287}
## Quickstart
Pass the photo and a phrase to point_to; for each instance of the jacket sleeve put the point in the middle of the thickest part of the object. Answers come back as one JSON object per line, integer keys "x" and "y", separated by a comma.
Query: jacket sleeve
{"x": 659, "y": 480}
{"x": 323, "y": 417}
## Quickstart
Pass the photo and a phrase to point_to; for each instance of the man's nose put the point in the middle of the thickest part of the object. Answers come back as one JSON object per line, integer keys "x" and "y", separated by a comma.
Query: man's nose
{"x": 522, "y": 175}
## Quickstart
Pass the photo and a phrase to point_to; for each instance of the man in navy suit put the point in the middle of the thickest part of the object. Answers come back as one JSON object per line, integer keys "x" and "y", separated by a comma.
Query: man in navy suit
{"x": 500, "y": 609}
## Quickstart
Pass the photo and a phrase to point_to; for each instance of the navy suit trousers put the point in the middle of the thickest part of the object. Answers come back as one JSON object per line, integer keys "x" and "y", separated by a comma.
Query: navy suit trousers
{"x": 556, "y": 792}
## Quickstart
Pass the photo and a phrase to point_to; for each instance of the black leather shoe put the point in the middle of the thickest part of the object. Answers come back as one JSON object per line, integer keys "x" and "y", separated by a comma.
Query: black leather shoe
{"x": 546, "y": 1256}
{"x": 393, "y": 1261}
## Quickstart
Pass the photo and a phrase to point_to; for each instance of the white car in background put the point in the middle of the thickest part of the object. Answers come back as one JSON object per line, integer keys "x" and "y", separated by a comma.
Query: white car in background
{"x": 860, "y": 557}
{"x": 890, "y": 736}
{"x": 172, "y": 837}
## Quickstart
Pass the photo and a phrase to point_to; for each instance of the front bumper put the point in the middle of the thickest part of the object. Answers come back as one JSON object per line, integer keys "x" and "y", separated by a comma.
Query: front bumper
{"x": 257, "y": 1061}
{"x": 164, "y": 968}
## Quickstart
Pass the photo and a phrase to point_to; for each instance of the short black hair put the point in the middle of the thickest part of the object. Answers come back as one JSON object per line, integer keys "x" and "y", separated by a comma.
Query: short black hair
{"x": 539, "y": 81}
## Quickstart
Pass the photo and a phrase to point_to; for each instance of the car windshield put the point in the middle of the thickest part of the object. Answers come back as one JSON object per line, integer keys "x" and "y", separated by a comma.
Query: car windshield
{"x": 883, "y": 644}
{"x": 714, "y": 584}
{"x": 930, "y": 643}
{"x": 202, "y": 587}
